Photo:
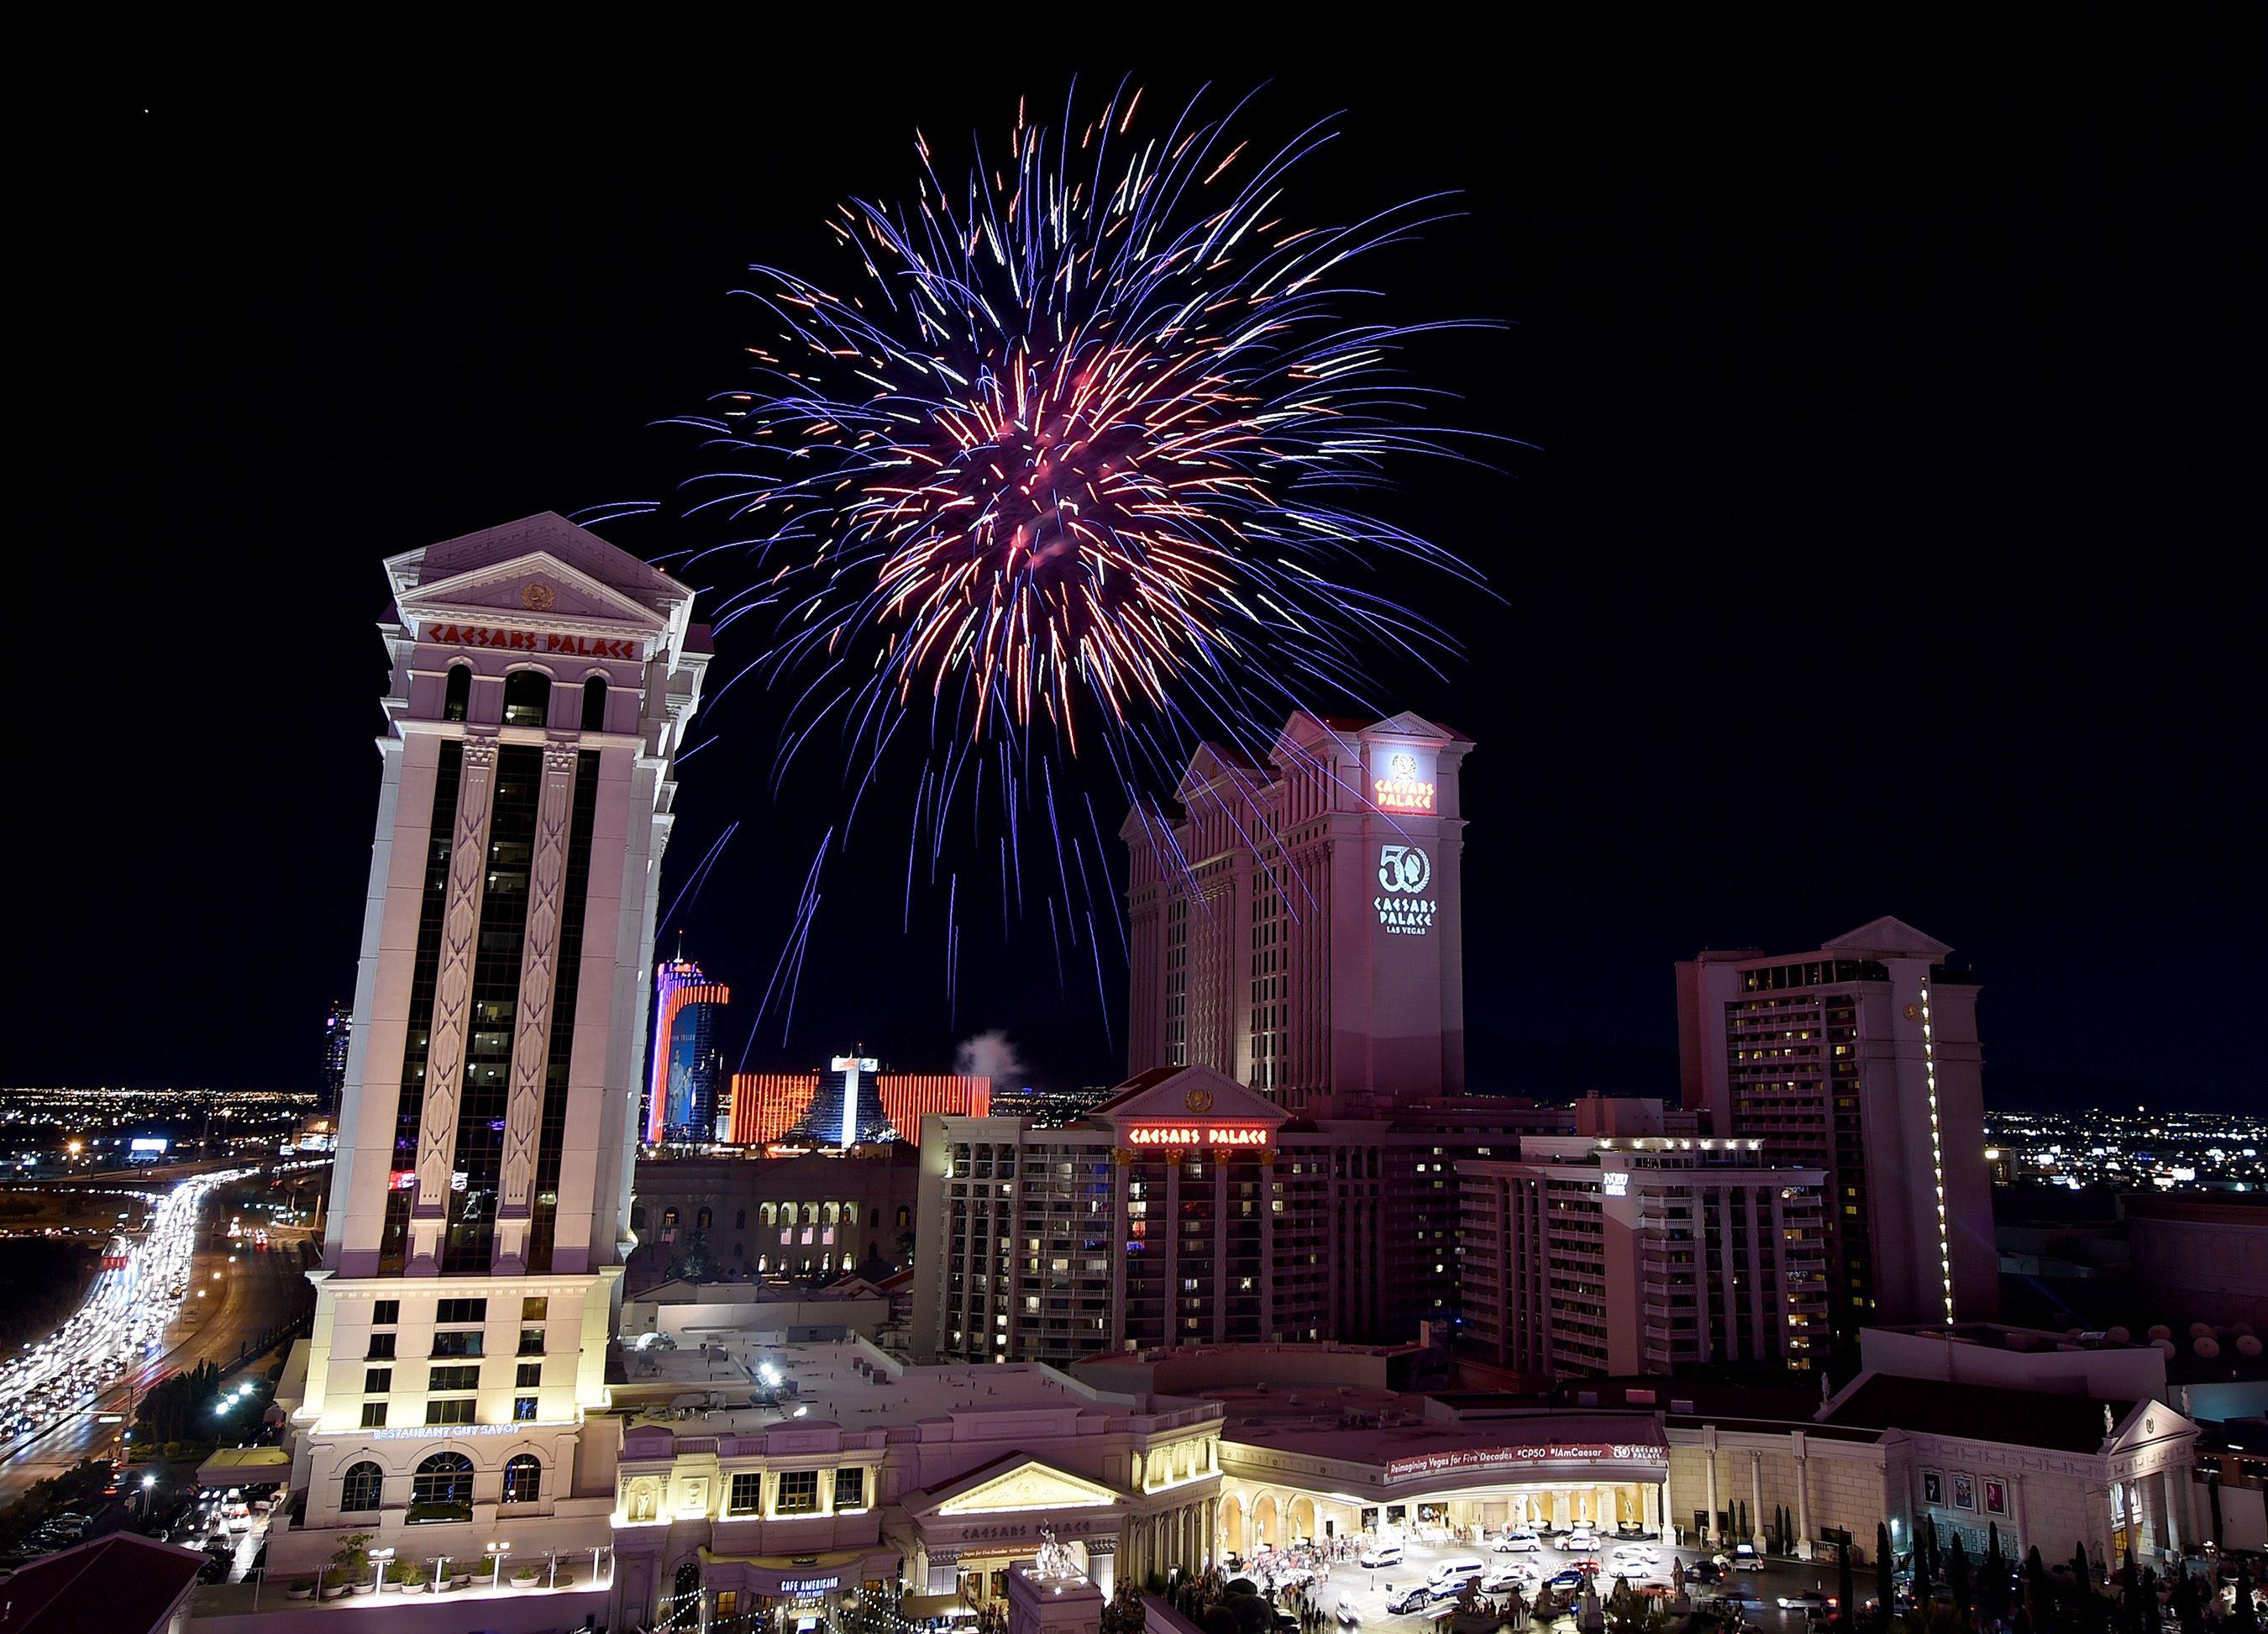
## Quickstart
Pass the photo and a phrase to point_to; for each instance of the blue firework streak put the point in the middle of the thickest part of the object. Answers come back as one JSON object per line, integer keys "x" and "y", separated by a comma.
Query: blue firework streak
{"x": 1077, "y": 463}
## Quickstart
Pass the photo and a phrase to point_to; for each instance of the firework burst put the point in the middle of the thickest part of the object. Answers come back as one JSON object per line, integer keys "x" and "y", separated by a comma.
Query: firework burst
{"x": 1075, "y": 463}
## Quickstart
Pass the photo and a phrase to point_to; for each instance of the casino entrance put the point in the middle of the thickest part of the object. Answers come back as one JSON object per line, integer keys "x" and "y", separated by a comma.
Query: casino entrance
{"x": 1258, "y": 1517}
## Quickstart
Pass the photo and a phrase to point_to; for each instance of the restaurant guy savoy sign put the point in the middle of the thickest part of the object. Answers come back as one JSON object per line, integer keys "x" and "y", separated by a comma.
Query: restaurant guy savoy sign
{"x": 1404, "y": 874}
{"x": 1501, "y": 1457}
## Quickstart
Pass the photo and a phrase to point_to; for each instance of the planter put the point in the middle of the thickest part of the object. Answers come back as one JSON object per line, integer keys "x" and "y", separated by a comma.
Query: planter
{"x": 526, "y": 1579}
{"x": 340, "y": 1592}
{"x": 301, "y": 1591}
{"x": 417, "y": 1587}
{"x": 361, "y": 1588}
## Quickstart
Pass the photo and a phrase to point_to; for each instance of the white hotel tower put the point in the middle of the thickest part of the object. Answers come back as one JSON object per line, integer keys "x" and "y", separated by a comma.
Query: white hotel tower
{"x": 543, "y": 680}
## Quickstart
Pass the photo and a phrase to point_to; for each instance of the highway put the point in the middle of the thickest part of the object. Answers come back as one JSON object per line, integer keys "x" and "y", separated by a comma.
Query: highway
{"x": 133, "y": 1329}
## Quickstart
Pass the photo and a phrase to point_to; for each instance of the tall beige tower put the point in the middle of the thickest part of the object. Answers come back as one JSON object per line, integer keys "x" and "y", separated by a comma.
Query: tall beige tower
{"x": 543, "y": 680}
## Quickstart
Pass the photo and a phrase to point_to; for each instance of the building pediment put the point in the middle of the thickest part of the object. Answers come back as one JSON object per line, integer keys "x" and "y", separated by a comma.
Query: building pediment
{"x": 1888, "y": 938}
{"x": 535, "y": 591}
{"x": 1018, "y": 1484}
{"x": 1195, "y": 1095}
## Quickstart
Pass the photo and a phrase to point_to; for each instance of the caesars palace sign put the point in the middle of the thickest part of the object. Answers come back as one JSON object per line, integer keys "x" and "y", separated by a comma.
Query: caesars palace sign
{"x": 1404, "y": 874}
{"x": 1471, "y": 1458}
{"x": 529, "y": 641}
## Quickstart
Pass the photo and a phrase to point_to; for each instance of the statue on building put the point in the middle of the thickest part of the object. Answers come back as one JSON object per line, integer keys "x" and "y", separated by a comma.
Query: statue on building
{"x": 1054, "y": 1559}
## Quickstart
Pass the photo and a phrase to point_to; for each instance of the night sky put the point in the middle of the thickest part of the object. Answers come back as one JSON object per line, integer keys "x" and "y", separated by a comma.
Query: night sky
{"x": 1883, "y": 545}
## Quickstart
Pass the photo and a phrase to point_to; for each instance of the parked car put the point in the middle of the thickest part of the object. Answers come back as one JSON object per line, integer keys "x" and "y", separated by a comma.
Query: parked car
{"x": 1417, "y": 1597}
{"x": 1383, "y": 1555}
{"x": 1520, "y": 1540}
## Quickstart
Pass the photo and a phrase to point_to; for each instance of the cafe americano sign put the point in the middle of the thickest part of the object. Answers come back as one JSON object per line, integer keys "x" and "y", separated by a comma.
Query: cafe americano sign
{"x": 1461, "y": 1460}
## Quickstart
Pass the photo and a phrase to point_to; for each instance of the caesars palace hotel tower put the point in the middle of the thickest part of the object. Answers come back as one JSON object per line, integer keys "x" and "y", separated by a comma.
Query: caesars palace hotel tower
{"x": 1297, "y": 925}
{"x": 542, "y": 681}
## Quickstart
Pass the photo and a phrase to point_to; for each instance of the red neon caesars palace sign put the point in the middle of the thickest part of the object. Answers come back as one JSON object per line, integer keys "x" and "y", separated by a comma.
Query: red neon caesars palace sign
{"x": 528, "y": 641}
{"x": 1501, "y": 1457}
{"x": 1207, "y": 1134}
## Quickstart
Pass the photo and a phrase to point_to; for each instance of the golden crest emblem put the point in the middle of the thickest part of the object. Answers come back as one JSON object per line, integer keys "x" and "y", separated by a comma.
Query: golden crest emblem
{"x": 537, "y": 597}
{"x": 1913, "y": 1013}
{"x": 1199, "y": 1099}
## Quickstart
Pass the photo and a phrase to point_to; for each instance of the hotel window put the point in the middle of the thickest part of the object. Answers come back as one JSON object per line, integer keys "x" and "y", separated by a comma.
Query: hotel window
{"x": 373, "y": 1414}
{"x": 377, "y": 1380}
{"x": 728, "y": 1603}
{"x": 384, "y": 1313}
{"x": 850, "y": 1488}
{"x": 523, "y": 1409}
{"x": 360, "y": 1489}
{"x": 526, "y": 697}
{"x": 529, "y": 1376}
{"x": 454, "y": 1379}
{"x": 460, "y": 692}
{"x": 798, "y": 1492}
{"x": 451, "y": 1311}
{"x": 534, "y": 1308}
{"x": 381, "y": 1348}
{"x": 523, "y": 1479}
{"x": 747, "y": 1494}
{"x": 457, "y": 1343}
{"x": 456, "y": 1410}
{"x": 531, "y": 1341}
{"x": 594, "y": 704}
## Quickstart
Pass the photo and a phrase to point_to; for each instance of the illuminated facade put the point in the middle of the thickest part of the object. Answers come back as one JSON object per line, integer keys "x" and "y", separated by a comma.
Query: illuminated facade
{"x": 1860, "y": 1058}
{"x": 1297, "y": 925}
{"x": 1643, "y": 1252}
{"x": 858, "y": 1474}
{"x": 853, "y": 1103}
{"x": 684, "y": 1099}
{"x": 542, "y": 681}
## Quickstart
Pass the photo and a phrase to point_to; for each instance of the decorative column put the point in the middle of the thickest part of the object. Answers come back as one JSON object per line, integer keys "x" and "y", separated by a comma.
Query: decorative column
{"x": 1757, "y": 1491}
{"x": 1709, "y": 1447}
{"x": 531, "y": 1044}
{"x": 1803, "y": 1496}
{"x": 2018, "y": 1510}
{"x": 452, "y": 991}
{"x": 1102, "y": 1564}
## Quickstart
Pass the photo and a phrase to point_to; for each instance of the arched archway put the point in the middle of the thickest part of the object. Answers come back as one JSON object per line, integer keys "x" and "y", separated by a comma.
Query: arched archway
{"x": 1232, "y": 1525}
{"x": 1302, "y": 1518}
{"x": 1265, "y": 1526}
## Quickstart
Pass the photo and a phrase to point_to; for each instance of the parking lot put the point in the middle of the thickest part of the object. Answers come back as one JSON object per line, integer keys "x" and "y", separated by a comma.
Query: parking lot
{"x": 1368, "y": 1590}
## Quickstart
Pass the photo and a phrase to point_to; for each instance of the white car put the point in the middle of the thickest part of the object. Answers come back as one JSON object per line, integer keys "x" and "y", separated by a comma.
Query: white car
{"x": 1500, "y": 1580}
{"x": 1807, "y": 1600}
{"x": 1519, "y": 1542}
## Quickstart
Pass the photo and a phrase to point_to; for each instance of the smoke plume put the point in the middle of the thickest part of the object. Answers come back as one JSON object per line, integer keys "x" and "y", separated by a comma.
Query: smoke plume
{"x": 990, "y": 1055}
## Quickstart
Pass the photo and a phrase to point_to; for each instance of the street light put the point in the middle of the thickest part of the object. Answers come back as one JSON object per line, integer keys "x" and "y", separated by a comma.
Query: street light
{"x": 497, "y": 1551}
{"x": 378, "y": 1559}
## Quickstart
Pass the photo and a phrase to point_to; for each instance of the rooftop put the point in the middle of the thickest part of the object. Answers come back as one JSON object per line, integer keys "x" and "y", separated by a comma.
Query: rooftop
{"x": 2065, "y": 1422}
{"x": 121, "y": 1583}
{"x": 853, "y": 1385}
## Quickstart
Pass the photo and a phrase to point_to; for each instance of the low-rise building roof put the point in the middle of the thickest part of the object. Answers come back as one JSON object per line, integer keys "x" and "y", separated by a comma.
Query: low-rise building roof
{"x": 2065, "y": 1422}
{"x": 122, "y": 1584}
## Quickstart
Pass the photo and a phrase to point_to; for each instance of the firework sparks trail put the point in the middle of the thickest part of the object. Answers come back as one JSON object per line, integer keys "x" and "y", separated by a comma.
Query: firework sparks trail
{"x": 1072, "y": 467}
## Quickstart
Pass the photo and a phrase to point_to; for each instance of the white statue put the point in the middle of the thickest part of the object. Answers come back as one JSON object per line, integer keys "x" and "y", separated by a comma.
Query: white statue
{"x": 1054, "y": 1559}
